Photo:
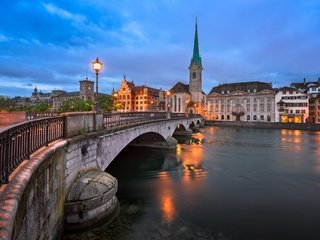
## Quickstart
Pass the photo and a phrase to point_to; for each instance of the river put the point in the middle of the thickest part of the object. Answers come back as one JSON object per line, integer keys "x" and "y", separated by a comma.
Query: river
{"x": 225, "y": 183}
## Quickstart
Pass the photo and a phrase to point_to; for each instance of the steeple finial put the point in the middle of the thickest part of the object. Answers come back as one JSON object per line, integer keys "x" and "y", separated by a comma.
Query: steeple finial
{"x": 196, "y": 54}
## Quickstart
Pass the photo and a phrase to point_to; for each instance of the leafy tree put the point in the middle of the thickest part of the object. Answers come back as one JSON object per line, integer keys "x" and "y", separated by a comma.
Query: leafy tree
{"x": 76, "y": 105}
{"x": 41, "y": 108}
{"x": 6, "y": 103}
{"x": 106, "y": 103}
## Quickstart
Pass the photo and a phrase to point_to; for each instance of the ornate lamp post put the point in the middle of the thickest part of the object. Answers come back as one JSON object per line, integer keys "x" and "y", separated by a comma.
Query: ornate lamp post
{"x": 114, "y": 100}
{"x": 97, "y": 66}
{"x": 187, "y": 105}
{"x": 168, "y": 101}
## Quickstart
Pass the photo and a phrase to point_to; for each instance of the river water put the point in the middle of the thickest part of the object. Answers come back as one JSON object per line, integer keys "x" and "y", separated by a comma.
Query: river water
{"x": 224, "y": 183}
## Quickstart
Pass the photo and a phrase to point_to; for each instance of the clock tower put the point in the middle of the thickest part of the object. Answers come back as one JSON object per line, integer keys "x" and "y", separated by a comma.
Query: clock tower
{"x": 195, "y": 72}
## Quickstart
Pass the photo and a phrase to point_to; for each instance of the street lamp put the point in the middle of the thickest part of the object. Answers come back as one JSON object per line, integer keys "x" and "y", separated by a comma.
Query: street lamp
{"x": 187, "y": 105}
{"x": 114, "y": 100}
{"x": 97, "y": 66}
{"x": 168, "y": 102}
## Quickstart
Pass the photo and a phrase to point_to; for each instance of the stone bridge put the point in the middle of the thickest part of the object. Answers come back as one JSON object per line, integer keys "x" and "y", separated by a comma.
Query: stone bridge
{"x": 65, "y": 183}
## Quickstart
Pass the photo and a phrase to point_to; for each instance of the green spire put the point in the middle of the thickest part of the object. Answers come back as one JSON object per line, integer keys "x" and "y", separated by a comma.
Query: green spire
{"x": 196, "y": 55}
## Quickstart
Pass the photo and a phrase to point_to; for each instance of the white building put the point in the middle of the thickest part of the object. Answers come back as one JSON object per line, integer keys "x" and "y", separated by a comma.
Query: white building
{"x": 243, "y": 101}
{"x": 292, "y": 106}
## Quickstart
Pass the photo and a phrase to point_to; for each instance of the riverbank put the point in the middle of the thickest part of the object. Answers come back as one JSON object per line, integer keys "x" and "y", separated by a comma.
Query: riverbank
{"x": 271, "y": 125}
{"x": 11, "y": 118}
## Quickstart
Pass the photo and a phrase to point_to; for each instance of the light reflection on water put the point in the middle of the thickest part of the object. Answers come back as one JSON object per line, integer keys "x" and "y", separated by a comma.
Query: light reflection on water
{"x": 242, "y": 183}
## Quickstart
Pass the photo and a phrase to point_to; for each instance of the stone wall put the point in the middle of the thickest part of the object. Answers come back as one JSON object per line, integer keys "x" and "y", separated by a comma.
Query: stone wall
{"x": 274, "y": 125}
{"x": 32, "y": 203}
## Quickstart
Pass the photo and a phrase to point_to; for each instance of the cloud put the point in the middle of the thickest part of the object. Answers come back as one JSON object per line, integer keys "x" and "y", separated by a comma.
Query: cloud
{"x": 63, "y": 13}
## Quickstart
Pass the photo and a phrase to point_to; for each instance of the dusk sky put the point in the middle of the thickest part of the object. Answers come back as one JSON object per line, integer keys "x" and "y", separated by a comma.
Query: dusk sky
{"x": 51, "y": 44}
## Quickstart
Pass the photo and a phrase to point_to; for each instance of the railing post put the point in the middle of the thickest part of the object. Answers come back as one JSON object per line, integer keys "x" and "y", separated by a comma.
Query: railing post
{"x": 28, "y": 141}
{"x": 6, "y": 160}
{"x": 47, "y": 133}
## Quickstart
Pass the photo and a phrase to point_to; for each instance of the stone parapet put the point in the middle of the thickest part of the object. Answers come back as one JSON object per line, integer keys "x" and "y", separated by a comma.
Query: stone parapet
{"x": 77, "y": 123}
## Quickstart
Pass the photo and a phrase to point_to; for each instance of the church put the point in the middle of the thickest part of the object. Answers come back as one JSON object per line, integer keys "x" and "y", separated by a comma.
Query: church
{"x": 189, "y": 98}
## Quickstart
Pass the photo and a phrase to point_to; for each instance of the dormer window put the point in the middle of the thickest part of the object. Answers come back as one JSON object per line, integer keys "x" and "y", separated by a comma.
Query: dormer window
{"x": 222, "y": 92}
{"x": 248, "y": 90}
{"x": 254, "y": 90}
{"x": 228, "y": 91}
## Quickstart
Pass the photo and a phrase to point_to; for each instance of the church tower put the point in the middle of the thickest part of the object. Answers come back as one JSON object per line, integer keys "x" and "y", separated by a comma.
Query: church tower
{"x": 195, "y": 72}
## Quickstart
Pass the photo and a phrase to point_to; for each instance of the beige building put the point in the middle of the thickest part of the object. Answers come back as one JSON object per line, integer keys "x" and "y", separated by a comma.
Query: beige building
{"x": 130, "y": 98}
{"x": 292, "y": 105}
{"x": 243, "y": 101}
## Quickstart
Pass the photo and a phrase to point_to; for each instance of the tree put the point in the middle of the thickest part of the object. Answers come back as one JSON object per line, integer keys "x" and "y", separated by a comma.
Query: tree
{"x": 76, "y": 105}
{"x": 106, "y": 103}
{"x": 6, "y": 103}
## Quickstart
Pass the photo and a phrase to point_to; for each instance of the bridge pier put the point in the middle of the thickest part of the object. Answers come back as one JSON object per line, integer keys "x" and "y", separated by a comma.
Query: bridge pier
{"x": 91, "y": 199}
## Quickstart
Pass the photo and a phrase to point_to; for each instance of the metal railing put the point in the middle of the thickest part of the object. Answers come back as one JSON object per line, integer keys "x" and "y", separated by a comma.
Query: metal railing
{"x": 111, "y": 120}
{"x": 20, "y": 141}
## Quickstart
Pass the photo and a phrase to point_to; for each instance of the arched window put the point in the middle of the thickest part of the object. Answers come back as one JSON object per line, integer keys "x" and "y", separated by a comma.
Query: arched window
{"x": 262, "y": 117}
{"x": 248, "y": 117}
{"x": 194, "y": 75}
{"x": 222, "y": 117}
{"x": 254, "y": 117}
{"x": 269, "y": 118}
{"x": 228, "y": 117}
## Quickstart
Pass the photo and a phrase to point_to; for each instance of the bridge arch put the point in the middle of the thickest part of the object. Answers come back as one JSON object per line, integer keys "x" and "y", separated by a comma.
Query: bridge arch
{"x": 112, "y": 144}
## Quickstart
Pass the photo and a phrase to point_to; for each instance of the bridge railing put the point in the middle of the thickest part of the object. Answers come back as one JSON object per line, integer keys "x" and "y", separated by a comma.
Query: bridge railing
{"x": 111, "y": 120}
{"x": 20, "y": 141}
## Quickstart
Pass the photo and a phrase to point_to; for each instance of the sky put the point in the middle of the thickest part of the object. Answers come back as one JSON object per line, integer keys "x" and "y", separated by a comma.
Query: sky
{"x": 51, "y": 44}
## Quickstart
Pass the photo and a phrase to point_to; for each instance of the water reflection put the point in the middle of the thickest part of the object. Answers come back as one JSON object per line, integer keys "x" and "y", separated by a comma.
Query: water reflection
{"x": 166, "y": 199}
{"x": 291, "y": 136}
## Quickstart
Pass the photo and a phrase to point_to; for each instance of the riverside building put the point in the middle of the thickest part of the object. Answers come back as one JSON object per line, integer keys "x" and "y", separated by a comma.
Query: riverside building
{"x": 292, "y": 105}
{"x": 242, "y": 101}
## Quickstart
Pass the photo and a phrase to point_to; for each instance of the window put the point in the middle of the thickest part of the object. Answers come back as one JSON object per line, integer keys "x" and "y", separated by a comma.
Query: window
{"x": 262, "y": 117}
{"x": 222, "y": 92}
{"x": 254, "y": 117}
{"x": 254, "y": 107}
{"x": 297, "y": 111}
{"x": 261, "y": 107}
{"x": 228, "y": 117}
{"x": 248, "y": 117}
{"x": 269, "y": 118}
{"x": 194, "y": 75}
{"x": 303, "y": 111}
{"x": 222, "y": 117}
{"x": 268, "y": 107}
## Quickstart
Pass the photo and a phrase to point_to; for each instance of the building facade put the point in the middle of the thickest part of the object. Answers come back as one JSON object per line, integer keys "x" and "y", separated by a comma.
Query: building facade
{"x": 130, "y": 98}
{"x": 85, "y": 93}
{"x": 243, "y": 101}
{"x": 292, "y": 105}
